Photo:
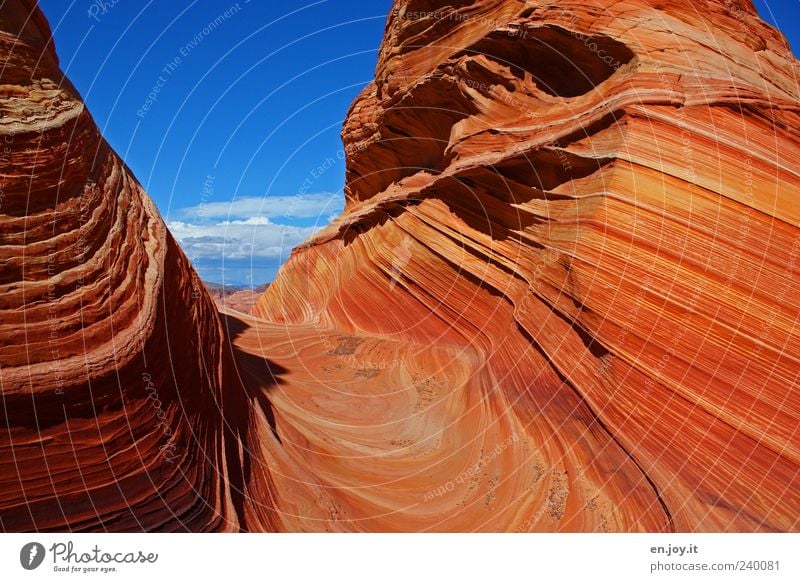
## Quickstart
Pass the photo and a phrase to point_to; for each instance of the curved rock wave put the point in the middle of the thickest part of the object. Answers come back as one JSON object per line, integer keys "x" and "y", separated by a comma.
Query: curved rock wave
{"x": 594, "y": 212}
{"x": 562, "y": 296}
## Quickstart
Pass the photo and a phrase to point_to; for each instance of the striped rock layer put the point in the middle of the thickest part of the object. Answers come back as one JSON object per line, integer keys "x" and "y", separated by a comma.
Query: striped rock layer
{"x": 562, "y": 296}
{"x": 112, "y": 355}
{"x": 565, "y": 287}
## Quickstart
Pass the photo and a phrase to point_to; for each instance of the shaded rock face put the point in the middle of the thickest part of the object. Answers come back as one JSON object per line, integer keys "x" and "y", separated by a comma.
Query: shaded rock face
{"x": 562, "y": 295}
{"x": 112, "y": 354}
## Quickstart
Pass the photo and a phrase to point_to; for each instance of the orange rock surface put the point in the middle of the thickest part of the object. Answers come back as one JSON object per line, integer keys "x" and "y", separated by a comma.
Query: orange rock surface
{"x": 563, "y": 295}
{"x": 112, "y": 355}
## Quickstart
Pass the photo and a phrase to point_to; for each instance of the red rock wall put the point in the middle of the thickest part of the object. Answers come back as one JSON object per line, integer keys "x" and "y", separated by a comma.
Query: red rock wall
{"x": 594, "y": 209}
{"x": 562, "y": 296}
{"x": 111, "y": 357}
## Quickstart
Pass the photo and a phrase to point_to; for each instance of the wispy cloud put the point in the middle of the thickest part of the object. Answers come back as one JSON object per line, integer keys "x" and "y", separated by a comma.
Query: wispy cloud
{"x": 318, "y": 206}
{"x": 255, "y": 228}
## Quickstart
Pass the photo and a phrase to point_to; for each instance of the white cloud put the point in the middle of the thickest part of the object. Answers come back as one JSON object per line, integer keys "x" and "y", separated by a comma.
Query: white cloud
{"x": 300, "y": 206}
{"x": 250, "y": 227}
{"x": 239, "y": 239}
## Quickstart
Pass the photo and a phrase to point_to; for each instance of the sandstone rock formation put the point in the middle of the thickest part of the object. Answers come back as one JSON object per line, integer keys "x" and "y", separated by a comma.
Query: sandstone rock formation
{"x": 572, "y": 222}
{"x": 112, "y": 357}
{"x": 563, "y": 295}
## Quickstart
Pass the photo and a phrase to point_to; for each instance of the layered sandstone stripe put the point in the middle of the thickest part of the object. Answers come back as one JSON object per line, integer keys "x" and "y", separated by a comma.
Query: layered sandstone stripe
{"x": 562, "y": 295}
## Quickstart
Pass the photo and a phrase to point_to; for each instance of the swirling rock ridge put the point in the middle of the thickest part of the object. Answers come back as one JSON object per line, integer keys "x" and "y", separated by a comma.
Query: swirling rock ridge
{"x": 562, "y": 296}
{"x": 575, "y": 226}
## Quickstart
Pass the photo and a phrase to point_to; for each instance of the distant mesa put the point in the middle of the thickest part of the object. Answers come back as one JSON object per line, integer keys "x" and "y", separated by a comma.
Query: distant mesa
{"x": 236, "y": 297}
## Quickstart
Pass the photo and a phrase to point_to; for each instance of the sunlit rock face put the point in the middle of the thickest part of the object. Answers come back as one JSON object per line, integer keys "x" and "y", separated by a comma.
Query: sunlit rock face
{"x": 563, "y": 295}
{"x": 571, "y": 239}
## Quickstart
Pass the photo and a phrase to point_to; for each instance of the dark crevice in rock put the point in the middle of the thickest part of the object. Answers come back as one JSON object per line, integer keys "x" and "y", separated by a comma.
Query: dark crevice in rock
{"x": 560, "y": 62}
{"x": 548, "y": 167}
{"x": 670, "y": 524}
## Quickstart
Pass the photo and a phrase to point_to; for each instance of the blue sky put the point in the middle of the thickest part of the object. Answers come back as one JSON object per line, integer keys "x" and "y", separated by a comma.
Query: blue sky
{"x": 249, "y": 105}
{"x": 229, "y": 112}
